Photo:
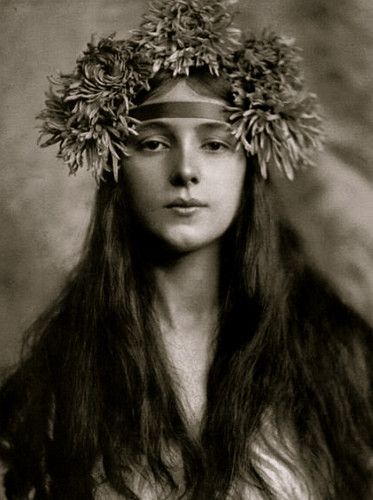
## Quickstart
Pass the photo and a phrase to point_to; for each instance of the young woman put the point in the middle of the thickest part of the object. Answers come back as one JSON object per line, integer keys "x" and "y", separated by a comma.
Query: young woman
{"x": 192, "y": 353}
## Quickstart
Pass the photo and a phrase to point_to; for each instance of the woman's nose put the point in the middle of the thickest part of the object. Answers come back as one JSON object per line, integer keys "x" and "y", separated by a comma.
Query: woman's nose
{"x": 185, "y": 169}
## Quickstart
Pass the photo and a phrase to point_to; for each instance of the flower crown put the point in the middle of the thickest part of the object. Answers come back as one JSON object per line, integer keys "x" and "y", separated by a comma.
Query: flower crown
{"x": 88, "y": 113}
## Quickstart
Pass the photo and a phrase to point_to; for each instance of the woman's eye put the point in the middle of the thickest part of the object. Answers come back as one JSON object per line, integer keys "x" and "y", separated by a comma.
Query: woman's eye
{"x": 215, "y": 146}
{"x": 153, "y": 145}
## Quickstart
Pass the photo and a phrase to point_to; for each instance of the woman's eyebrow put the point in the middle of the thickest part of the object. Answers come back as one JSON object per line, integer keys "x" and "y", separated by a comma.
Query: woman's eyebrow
{"x": 150, "y": 126}
{"x": 214, "y": 127}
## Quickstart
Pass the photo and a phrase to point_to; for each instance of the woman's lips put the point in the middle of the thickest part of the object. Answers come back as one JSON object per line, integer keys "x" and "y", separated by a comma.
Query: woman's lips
{"x": 185, "y": 206}
{"x": 186, "y": 203}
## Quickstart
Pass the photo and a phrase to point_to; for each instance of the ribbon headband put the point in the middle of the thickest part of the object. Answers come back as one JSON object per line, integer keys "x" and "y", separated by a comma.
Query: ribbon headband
{"x": 182, "y": 109}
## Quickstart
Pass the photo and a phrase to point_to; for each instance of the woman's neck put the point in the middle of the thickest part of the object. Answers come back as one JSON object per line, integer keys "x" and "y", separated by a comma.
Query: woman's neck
{"x": 187, "y": 290}
{"x": 187, "y": 306}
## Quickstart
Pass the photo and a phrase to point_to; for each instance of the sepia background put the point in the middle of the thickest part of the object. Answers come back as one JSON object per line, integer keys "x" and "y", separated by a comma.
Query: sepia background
{"x": 44, "y": 212}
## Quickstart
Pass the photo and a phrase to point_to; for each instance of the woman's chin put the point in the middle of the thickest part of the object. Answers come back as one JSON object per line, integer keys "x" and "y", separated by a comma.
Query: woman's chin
{"x": 181, "y": 243}
{"x": 183, "y": 246}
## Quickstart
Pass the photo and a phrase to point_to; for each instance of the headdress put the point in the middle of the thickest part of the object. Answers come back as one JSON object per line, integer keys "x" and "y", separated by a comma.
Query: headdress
{"x": 88, "y": 112}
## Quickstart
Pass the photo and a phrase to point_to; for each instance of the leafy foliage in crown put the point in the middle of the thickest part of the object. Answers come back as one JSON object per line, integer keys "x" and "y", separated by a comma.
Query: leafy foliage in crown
{"x": 87, "y": 111}
{"x": 187, "y": 33}
{"x": 278, "y": 120}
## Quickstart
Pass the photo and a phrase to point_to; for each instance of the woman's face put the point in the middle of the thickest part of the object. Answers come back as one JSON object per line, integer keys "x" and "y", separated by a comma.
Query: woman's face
{"x": 185, "y": 176}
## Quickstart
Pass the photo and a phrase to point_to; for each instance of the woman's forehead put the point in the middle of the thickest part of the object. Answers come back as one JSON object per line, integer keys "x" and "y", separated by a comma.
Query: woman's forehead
{"x": 182, "y": 101}
{"x": 180, "y": 92}
{"x": 200, "y": 110}
{"x": 182, "y": 108}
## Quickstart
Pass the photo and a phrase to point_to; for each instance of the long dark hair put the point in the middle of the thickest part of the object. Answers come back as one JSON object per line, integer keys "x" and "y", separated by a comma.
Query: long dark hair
{"x": 94, "y": 389}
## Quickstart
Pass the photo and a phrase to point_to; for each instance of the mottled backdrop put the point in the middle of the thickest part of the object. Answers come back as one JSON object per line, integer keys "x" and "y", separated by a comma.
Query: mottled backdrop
{"x": 44, "y": 212}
